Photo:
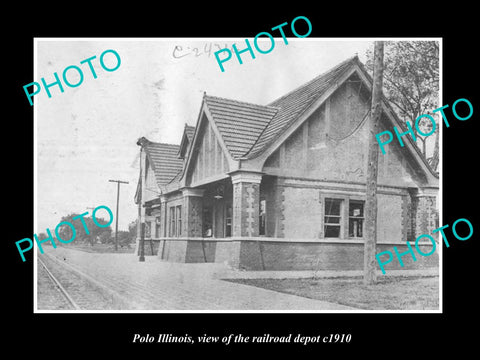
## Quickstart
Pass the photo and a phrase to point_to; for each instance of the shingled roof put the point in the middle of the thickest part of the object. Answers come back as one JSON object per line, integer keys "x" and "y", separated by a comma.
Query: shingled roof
{"x": 189, "y": 131}
{"x": 239, "y": 123}
{"x": 248, "y": 129}
{"x": 294, "y": 103}
{"x": 163, "y": 159}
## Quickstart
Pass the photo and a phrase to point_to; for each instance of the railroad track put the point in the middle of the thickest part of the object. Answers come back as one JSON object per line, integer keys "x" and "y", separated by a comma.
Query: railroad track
{"x": 71, "y": 290}
{"x": 67, "y": 298}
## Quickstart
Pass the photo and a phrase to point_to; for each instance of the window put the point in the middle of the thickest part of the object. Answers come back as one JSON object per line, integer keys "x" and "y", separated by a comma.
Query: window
{"x": 355, "y": 218}
{"x": 157, "y": 226}
{"x": 333, "y": 218}
{"x": 171, "y": 230}
{"x": 147, "y": 229}
{"x": 262, "y": 217}
{"x": 207, "y": 220}
{"x": 228, "y": 220}
{"x": 175, "y": 229}
{"x": 179, "y": 220}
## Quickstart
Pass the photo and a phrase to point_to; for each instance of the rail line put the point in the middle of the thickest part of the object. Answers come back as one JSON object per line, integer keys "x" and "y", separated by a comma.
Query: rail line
{"x": 59, "y": 286}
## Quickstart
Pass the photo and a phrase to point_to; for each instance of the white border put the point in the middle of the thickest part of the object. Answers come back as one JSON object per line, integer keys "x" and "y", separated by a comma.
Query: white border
{"x": 440, "y": 195}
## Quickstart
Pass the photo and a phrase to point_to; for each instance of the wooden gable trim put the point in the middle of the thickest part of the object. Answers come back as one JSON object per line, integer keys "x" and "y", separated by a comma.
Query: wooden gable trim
{"x": 257, "y": 163}
{"x": 196, "y": 138}
{"x": 181, "y": 150}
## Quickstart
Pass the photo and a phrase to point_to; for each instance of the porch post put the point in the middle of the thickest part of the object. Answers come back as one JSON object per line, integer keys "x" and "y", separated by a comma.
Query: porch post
{"x": 246, "y": 203}
{"x": 425, "y": 216}
{"x": 192, "y": 222}
{"x": 163, "y": 225}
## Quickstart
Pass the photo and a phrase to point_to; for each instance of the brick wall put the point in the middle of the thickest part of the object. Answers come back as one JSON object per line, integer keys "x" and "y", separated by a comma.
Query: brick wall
{"x": 425, "y": 218}
{"x": 302, "y": 213}
{"x": 200, "y": 251}
{"x": 271, "y": 255}
{"x": 389, "y": 218}
{"x": 228, "y": 252}
{"x": 148, "y": 246}
{"x": 192, "y": 222}
{"x": 321, "y": 256}
{"x": 246, "y": 197}
{"x": 174, "y": 251}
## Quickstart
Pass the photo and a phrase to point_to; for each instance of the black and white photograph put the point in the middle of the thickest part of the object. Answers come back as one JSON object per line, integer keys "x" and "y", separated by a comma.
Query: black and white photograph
{"x": 296, "y": 181}
{"x": 236, "y": 191}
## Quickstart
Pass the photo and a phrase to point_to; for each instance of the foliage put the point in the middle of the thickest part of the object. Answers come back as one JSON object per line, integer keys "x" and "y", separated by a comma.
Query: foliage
{"x": 411, "y": 80}
{"x": 105, "y": 238}
{"x": 95, "y": 232}
{"x": 132, "y": 229}
{"x": 124, "y": 238}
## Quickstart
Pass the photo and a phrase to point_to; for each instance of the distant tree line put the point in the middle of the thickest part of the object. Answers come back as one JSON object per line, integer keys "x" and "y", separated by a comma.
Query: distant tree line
{"x": 96, "y": 234}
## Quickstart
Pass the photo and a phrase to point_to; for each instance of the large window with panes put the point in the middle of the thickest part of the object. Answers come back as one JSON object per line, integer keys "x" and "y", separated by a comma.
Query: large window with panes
{"x": 175, "y": 223}
{"x": 343, "y": 217}
{"x": 172, "y": 222}
{"x": 355, "y": 218}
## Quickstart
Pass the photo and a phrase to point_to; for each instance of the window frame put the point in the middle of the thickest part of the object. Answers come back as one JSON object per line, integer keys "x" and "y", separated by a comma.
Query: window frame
{"x": 341, "y": 225}
{"x": 356, "y": 200}
{"x": 178, "y": 220}
{"x": 228, "y": 219}
{"x": 264, "y": 215}
{"x": 158, "y": 226}
{"x": 344, "y": 214}
{"x": 172, "y": 222}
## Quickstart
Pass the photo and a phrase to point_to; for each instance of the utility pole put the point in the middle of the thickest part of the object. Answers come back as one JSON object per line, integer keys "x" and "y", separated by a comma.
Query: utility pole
{"x": 370, "y": 242}
{"x": 141, "y": 142}
{"x": 116, "y": 219}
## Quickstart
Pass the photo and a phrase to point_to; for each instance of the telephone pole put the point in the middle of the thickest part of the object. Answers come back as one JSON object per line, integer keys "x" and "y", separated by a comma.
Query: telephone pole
{"x": 370, "y": 234}
{"x": 116, "y": 218}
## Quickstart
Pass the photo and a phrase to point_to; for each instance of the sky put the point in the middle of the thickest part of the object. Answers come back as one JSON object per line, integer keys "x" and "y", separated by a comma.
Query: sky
{"x": 87, "y": 135}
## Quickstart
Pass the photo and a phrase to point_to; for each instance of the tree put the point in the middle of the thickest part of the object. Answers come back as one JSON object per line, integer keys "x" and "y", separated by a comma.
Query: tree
{"x": 124, "y": 238}
{"x": 411, "y": 82}
{"x": 132, "y": 229}
{"x": 65, "y": 232}
{"x": 106, "y": 237}
{"x": 369, "y": 270}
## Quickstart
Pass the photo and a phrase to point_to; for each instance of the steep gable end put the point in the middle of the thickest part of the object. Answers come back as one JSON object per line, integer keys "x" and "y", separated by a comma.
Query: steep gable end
{"x": 187, "y": 138}
{"x": 207, "y": 157}
{"x": 293, "y": 104}
{"x": 239, "y": 123}
{"x": 163, "y": 159}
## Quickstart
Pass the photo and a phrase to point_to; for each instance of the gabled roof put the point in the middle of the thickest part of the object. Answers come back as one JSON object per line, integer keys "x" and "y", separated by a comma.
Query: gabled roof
{"x": 293, "y": 104}
{"x": 248, "y": 129}
{"x": 239, "y": 123}
{"x": 189, "y": 131}
{"x": 163, "y": 159}
{"x": 187, "y": 137}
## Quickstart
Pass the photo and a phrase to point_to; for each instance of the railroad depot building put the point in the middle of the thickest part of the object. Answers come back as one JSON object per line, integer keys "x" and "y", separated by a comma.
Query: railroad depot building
{"x": 282, "y": 186}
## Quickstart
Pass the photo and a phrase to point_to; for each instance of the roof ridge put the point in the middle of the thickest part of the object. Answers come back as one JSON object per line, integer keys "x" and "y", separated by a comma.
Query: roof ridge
{"x": 350, "y": 59}
{"x": 160, "y": 143}
{"x": 243, "y": 102}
